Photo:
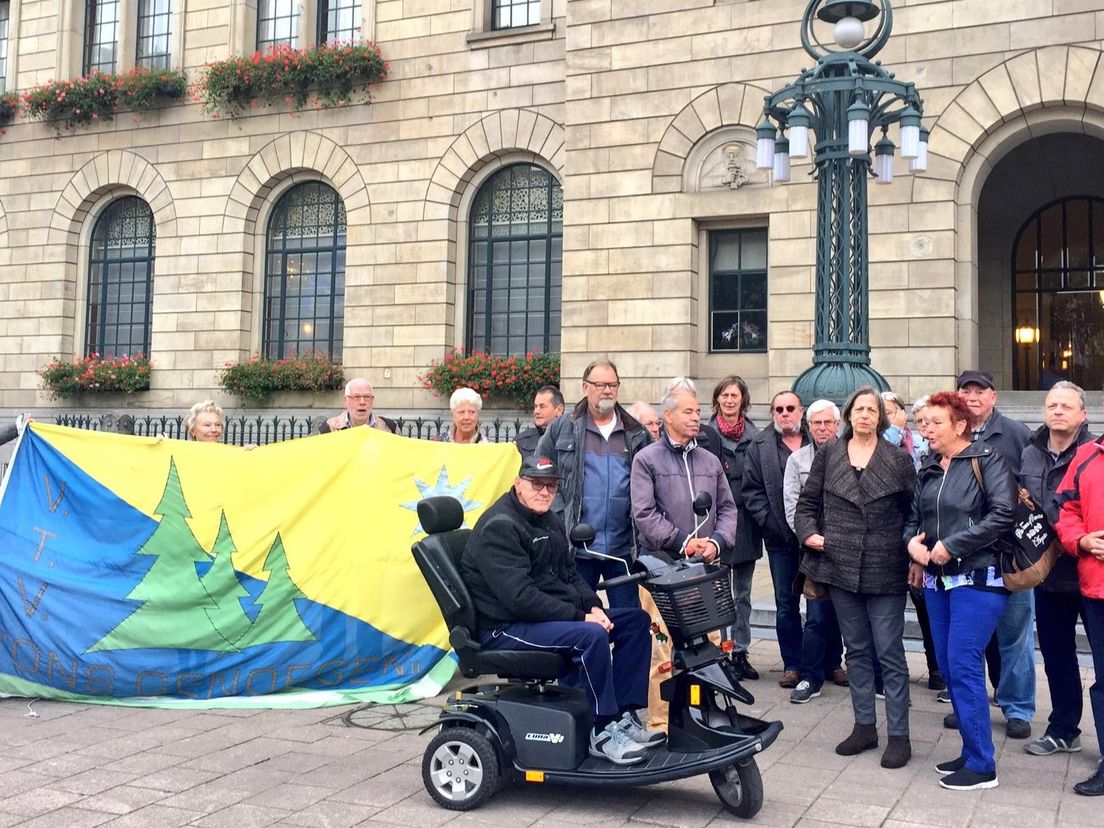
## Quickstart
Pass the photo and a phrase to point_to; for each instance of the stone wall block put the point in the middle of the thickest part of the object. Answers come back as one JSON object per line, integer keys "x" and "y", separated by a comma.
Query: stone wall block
{"x": 1023, "y": 70}
{"x": 999, "y": 87}
{"x": 509, "y": 122}
{"x": 689, "y": 124}
{"x": 708, "y": 109}
{"x": 1052, "y": 65}
{"x": 1095, "y": 95}
{"x": 730, "y": 100}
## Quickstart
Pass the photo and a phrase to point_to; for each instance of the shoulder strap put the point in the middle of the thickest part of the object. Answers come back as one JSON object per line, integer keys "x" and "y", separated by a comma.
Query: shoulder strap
{"x": 976, "y": 466}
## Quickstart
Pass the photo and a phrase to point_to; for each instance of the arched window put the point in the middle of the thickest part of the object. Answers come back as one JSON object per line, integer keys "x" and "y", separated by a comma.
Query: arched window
{"x": 515, "y": 265}
{"x": 1058, "y": 284}
{"x": 120, "y": 279}
{"x": 304, "y": 304}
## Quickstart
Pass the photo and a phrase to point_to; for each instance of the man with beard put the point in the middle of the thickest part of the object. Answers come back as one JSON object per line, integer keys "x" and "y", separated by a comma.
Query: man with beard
{"x": 548, "y": 404}
{"x": 764, "y": 501}
{"x": 594, "y": 447}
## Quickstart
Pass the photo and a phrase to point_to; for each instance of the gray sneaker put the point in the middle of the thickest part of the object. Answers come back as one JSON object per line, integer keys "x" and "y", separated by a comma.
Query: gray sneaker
{"x": 804, "y": 692}
{"x": 614, "y": 745}
{"x": 1046, "y": 744}
{"x": 640, "y": 734}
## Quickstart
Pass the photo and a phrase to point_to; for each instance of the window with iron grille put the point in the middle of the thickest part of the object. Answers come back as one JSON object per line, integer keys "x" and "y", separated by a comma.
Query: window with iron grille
{"x": 304, "y": 302}
{"x": 5, "y": 16}
{"x": 339, "y": 21}
{"x": 277, "y": 24}
{"x": 120, "y": 279}
{"x": 509, "y": 14}
{"x": 738, "y": 290}
{"x": 515, "y": 265}
{"x": 101, "y": 36}
{"x": 154, "y": 34}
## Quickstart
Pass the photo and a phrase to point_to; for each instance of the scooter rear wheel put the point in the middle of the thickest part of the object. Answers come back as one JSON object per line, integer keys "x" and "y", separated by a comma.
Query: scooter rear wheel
{"x": 460, "y": 769}
{"x": 740, "y": 788}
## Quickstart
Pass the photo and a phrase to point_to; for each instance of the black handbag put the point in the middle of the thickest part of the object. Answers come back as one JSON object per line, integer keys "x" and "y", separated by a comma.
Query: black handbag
{"x": 1029, "y": 550}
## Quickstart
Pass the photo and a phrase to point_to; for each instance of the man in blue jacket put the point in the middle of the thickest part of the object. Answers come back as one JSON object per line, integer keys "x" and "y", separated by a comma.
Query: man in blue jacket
{"x": 1015, "y": 639}
{"x": 594, "y": 447}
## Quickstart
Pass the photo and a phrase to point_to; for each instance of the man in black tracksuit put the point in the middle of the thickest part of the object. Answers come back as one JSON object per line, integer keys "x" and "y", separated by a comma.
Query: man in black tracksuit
{"x": 529, "y": 596}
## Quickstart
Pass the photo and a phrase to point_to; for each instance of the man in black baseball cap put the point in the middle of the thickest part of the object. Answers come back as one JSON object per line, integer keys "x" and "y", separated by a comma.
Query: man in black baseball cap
{"x": 528, "y": 595}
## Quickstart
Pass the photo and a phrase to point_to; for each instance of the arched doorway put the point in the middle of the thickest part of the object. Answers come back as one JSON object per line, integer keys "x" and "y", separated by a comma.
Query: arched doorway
{"x": 1041, "y": 264}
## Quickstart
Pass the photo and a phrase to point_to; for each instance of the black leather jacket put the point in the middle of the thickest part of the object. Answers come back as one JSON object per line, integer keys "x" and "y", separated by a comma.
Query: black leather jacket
{"x": 952, "y": 507}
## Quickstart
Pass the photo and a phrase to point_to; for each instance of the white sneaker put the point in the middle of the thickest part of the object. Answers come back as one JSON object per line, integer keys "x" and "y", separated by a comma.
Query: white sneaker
{"x": 614, "y": 745}
{"x": 640, "y": 734}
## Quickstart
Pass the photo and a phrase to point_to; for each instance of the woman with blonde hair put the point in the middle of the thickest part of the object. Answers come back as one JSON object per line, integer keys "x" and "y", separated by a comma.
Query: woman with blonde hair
{"x": 205, "y": 422}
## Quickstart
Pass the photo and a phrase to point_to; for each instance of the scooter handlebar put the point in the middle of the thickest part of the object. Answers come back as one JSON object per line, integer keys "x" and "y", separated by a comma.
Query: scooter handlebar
{"x": 635, "y": 578}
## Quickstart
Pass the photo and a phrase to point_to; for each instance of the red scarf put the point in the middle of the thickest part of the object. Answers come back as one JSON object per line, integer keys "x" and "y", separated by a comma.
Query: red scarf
{"x": 733, "y": 431}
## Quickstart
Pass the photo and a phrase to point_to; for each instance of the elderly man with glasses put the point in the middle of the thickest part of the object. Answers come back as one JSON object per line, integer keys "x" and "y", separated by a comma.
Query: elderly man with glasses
{"x": 528, "y": 595}
{"x": 358, "y": 410}
{"x": 594, "y": 446}
{"x": 763, "y": 500}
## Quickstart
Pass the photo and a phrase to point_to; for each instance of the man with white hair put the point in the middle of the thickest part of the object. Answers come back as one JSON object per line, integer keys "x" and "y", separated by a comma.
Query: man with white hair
{"x": 359, "y": 397}
{"x": 666, "y": 477}
{"x": 646, "y": 416}
{"x": 821, "y": 641}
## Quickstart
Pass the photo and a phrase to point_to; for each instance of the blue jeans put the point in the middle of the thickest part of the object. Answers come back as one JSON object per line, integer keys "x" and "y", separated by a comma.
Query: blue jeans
{"x": 962, "y": 621}
{"x": 626, "y": 595}
{"x": 1092, "y": 610}
{"x": 787, "y": 619}
{"x": 1056, "y": 618}
{"x": 613, "y": 682}
{"x": 821, "y": 643}
{"x": 741, "y": 578}
{"x": 1016, "y": 639}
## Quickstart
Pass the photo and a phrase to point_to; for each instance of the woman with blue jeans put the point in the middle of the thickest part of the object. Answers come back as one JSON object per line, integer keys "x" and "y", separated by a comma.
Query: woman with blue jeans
{"x": 964, "y": 500}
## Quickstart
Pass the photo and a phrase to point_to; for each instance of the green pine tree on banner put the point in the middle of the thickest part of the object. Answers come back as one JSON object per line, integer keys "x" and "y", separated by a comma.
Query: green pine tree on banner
{"x": 279, "y": 618}
{"x": 223, "y": 585}
{"x": 173, "y": 614}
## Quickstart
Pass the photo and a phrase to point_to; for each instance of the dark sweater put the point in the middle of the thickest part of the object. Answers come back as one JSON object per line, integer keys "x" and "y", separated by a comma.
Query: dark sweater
{"x": 518, "y": 567}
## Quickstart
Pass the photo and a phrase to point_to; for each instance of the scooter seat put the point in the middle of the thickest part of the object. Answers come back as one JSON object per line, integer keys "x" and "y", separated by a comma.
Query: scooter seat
{"x": 520, "y": 664}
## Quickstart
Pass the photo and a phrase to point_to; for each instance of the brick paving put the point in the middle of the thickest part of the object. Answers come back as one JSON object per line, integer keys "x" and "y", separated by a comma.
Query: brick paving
{"x": 80, "y": 765}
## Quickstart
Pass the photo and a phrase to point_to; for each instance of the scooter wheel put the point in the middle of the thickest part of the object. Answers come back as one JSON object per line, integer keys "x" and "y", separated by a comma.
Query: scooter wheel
{"x": 740, "y": 788}
{"x": 460, "y": 769}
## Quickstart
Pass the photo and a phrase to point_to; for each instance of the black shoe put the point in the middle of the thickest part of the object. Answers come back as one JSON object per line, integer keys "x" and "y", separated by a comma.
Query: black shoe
{"x": 951, "y": 766}
{"x": 950, "y": 721}
{"x": 1018, "y": 728}
{"x": 968, "y": 780}
{"x": 1093, "y": 786}
{"x": 943, "y": 696}
{"x": 744, "y": 666}
{"x": 863, "y": 737}
{"x": 936, "y": 681}
{"x": 897, "y": 752}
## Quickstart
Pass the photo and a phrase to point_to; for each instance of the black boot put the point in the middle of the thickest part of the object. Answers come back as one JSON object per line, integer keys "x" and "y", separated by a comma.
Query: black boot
{"x": 1093, "y": 786}
{"x": 744, "y": 666}
{"x": 897, "y": 752}
{"x": 863, "y": 737}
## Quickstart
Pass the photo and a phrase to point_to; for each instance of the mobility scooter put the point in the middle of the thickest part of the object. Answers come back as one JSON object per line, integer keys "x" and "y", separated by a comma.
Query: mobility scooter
{"x": 532, "y": 730}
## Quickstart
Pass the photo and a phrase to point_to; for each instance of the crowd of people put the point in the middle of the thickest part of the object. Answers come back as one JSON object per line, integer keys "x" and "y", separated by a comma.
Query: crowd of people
{"x": 857, "y": 513}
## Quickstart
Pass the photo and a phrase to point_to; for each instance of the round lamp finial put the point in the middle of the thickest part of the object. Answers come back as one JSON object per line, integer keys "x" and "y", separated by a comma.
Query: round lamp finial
{"x": 849, "y": 32}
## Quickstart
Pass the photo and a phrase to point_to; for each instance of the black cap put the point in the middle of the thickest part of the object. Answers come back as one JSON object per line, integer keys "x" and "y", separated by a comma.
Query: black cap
{"x": 982, "y": 378}
{"x": 534, "y": 467}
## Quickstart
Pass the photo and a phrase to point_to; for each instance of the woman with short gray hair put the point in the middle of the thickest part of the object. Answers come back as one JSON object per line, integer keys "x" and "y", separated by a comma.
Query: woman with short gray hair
{"x": 465, "y": 405}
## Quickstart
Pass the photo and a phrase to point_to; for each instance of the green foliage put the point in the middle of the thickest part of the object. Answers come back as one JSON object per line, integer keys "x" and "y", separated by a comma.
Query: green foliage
{"x": 257, "y": 378}
{"x": 9, "y": 108}
{"x": 293, "y": 78}
{"x": 515, "y": 377}
{"x": 94, "y": 375}
{"x": 87, "y": 100}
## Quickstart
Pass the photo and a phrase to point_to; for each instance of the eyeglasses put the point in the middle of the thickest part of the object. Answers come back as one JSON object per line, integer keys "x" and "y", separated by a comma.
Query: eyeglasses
{"x": 360, "y": 397}
{"x": 822, "y": 423}
{"x": 542, "y": 485}
{"x": 789, "y": 409}
{"x": 602, "y": 386}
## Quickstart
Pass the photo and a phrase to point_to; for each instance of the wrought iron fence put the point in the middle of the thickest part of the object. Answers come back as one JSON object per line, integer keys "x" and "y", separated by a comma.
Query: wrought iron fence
{"x": 261, "y": 430}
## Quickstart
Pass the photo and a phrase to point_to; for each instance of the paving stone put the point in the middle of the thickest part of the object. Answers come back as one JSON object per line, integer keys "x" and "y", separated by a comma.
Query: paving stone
{"x": 37, "y": 801}
{"x": 155, "y": 816}
{"x": 330, "y": 814}
{"x": 122, "y": 800}
{"x": 67, "y": 818}
{"x": 241, "y": 816}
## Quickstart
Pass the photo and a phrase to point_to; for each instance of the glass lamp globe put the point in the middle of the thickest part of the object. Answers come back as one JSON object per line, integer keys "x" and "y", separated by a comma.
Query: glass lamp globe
{"x": 849, "y": 32}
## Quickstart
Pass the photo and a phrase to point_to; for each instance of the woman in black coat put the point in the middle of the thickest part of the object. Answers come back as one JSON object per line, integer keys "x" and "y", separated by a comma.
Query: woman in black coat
{"x": 850, "y": 517}
{"x": 733, "y": 431}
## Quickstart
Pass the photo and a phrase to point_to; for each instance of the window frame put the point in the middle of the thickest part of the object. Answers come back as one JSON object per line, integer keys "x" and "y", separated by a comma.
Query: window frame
{"x": 267, "y": 45}
{"x": 496, "y": 6}
{"x": 97, "y": 292}
{"x": 153, "y": 60}
{"x": 713, "y": 236}
{"x": 336, "y": 341}
{"x": 550, "y": 339}
{"x": 5, "y": 32}
{"x": 321, "y": 21}
{"x": 89, "y": 43}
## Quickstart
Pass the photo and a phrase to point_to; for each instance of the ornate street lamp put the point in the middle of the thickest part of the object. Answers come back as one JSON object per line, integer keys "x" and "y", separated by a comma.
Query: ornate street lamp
{"x": 845, "y": 100}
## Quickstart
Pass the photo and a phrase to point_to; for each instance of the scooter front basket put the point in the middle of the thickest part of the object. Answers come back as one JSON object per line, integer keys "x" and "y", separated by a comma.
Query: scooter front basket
{"x": 693, "y": 601}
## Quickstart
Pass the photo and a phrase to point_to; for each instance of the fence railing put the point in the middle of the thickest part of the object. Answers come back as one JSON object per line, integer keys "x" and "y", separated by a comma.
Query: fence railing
{"x": 261, "y": 431}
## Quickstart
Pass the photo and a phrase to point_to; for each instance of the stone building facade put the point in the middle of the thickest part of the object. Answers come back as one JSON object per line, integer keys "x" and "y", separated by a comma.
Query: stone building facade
{"x": 678, "y": 256}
